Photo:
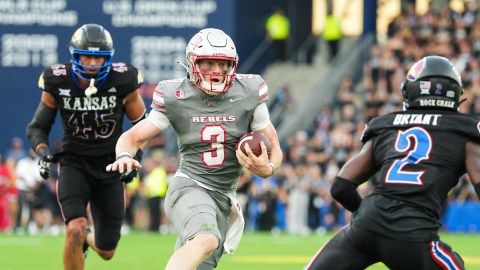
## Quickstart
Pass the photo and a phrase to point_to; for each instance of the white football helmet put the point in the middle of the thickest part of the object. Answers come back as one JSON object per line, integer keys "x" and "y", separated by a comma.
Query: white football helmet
{"x": 211, "y": 44}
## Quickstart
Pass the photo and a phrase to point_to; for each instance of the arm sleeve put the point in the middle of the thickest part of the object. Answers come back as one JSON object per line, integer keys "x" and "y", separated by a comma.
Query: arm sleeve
{"x": 261, "y": 117}
{"x": 143, "y": 116}
{"x": 345, "y": 192}
{"x": 158, "y": 119}
{"x": 477, "y": 189}
{"x": 39, "y": 128}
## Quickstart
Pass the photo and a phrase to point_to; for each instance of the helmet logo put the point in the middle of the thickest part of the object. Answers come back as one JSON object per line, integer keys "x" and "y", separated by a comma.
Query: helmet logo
{"x": 77, "y": 35}
{"x": 450, "y": 94}
{"x": 415, "y": 70}
{"x": 425, "y": 87}
{"x": 108, "y": 37}
{"x": 196, "y": 43}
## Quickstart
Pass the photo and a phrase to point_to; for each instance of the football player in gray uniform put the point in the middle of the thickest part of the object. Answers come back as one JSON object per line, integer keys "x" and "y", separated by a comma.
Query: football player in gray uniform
{"x": 209, "y": 110}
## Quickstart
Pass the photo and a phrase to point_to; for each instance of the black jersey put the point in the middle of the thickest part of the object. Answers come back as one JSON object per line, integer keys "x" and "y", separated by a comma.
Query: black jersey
{"x": 420, "y": 156}
{"x": 91, "y": 125}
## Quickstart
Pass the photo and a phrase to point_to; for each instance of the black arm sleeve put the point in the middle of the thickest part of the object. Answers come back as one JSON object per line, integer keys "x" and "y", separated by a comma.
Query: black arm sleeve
{"x": 138, "y": 156}
{"x": 144, "y": 115}
{"x": 477, "y": 189}
{"x": 39, "y": 128}
{"x": 345, "y": 192}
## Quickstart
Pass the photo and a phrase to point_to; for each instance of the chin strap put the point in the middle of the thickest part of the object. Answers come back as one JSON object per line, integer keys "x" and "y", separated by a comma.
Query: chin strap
{"x": 185, "y": 67}
{"x": 182, "y": 64}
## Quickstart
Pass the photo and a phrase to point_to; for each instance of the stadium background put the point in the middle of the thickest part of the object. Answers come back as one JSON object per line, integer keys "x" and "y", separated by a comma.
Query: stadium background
{"x": 152, "y": 35}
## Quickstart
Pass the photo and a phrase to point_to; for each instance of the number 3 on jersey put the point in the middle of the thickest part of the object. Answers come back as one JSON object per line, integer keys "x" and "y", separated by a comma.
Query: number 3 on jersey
{"x": 419, "y": 142}
{"x": 216, "y": 136}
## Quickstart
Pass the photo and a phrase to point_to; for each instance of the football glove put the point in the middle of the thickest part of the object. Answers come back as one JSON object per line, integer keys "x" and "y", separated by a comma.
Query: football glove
{"x": 129, "y": 176}
{"x": 44, "y": 162}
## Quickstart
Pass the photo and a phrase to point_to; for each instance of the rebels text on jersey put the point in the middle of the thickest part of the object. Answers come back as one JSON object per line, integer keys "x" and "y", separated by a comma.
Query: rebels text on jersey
{"x": 91, "y": 125}
{"x": 421, "y": 156}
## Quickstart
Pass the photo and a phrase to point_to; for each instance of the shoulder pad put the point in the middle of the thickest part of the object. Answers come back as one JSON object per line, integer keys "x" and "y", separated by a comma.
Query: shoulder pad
{"x": 254, "y": 83}
{"x": 126, "y": 75}
{"x": 121, "y": 67}
{"x": 41, "y": 81}
{"x": 466, "y": 124}
{"x": 158, "y": 100}
{"x": 373, "y": 127}
{"x": 52, "y": 75}
{"x": 56, "y": 70}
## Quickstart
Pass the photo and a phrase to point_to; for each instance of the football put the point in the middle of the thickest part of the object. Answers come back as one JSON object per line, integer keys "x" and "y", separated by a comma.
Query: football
{"x": 253, "y": 139}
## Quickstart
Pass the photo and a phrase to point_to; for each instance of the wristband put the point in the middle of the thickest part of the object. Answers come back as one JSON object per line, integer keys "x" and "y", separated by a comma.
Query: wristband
{"x": 122, "y": 155}
{"x": 272, "y": 166}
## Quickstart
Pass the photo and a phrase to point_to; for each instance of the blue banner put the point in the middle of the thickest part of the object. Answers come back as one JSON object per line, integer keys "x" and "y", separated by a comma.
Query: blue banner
{"x": 150, "y": 34}
{"x": 462, "y": 217}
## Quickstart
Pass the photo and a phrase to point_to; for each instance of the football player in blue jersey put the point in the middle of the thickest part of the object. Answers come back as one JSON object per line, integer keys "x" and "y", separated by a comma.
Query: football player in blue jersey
{"x": 93, "y": 94}
{"x": 420, "y": 154}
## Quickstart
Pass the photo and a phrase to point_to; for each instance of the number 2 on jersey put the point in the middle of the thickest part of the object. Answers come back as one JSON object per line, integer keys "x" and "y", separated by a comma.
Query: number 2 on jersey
{"x": 419, "y": 142}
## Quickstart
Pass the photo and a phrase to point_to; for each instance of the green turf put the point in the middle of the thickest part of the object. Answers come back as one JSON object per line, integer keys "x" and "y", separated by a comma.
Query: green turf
{"x": 145, "y": 251}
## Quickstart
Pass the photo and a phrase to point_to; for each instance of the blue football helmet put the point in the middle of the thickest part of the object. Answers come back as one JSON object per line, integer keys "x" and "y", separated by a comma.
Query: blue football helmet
{"x": 91, "y": 39}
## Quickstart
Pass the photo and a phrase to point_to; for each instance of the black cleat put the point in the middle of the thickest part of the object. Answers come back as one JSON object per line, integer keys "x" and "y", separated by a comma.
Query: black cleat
{"x": 85, "y": 244}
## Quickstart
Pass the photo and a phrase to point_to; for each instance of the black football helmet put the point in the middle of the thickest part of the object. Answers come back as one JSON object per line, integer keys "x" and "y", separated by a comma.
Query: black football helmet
{"x": 91, "y": 39}
{"x": 432, "y": 81}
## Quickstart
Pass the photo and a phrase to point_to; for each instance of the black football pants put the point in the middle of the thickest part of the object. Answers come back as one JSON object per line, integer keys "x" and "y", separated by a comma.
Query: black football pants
{"x": 355, "y": 248}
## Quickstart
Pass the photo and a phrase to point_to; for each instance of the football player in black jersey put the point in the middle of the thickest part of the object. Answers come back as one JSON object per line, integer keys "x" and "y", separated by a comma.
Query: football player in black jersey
{"x": 92, "y": 94}
{"x": 420, "y": 155}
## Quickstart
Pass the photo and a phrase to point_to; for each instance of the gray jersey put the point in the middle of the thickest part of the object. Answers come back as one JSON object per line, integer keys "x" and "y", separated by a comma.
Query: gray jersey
{"x": 208, "y": 127}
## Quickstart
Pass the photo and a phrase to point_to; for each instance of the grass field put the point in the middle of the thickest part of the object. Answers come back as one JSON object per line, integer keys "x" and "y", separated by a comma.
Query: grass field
{"x": 147, "y": 251}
